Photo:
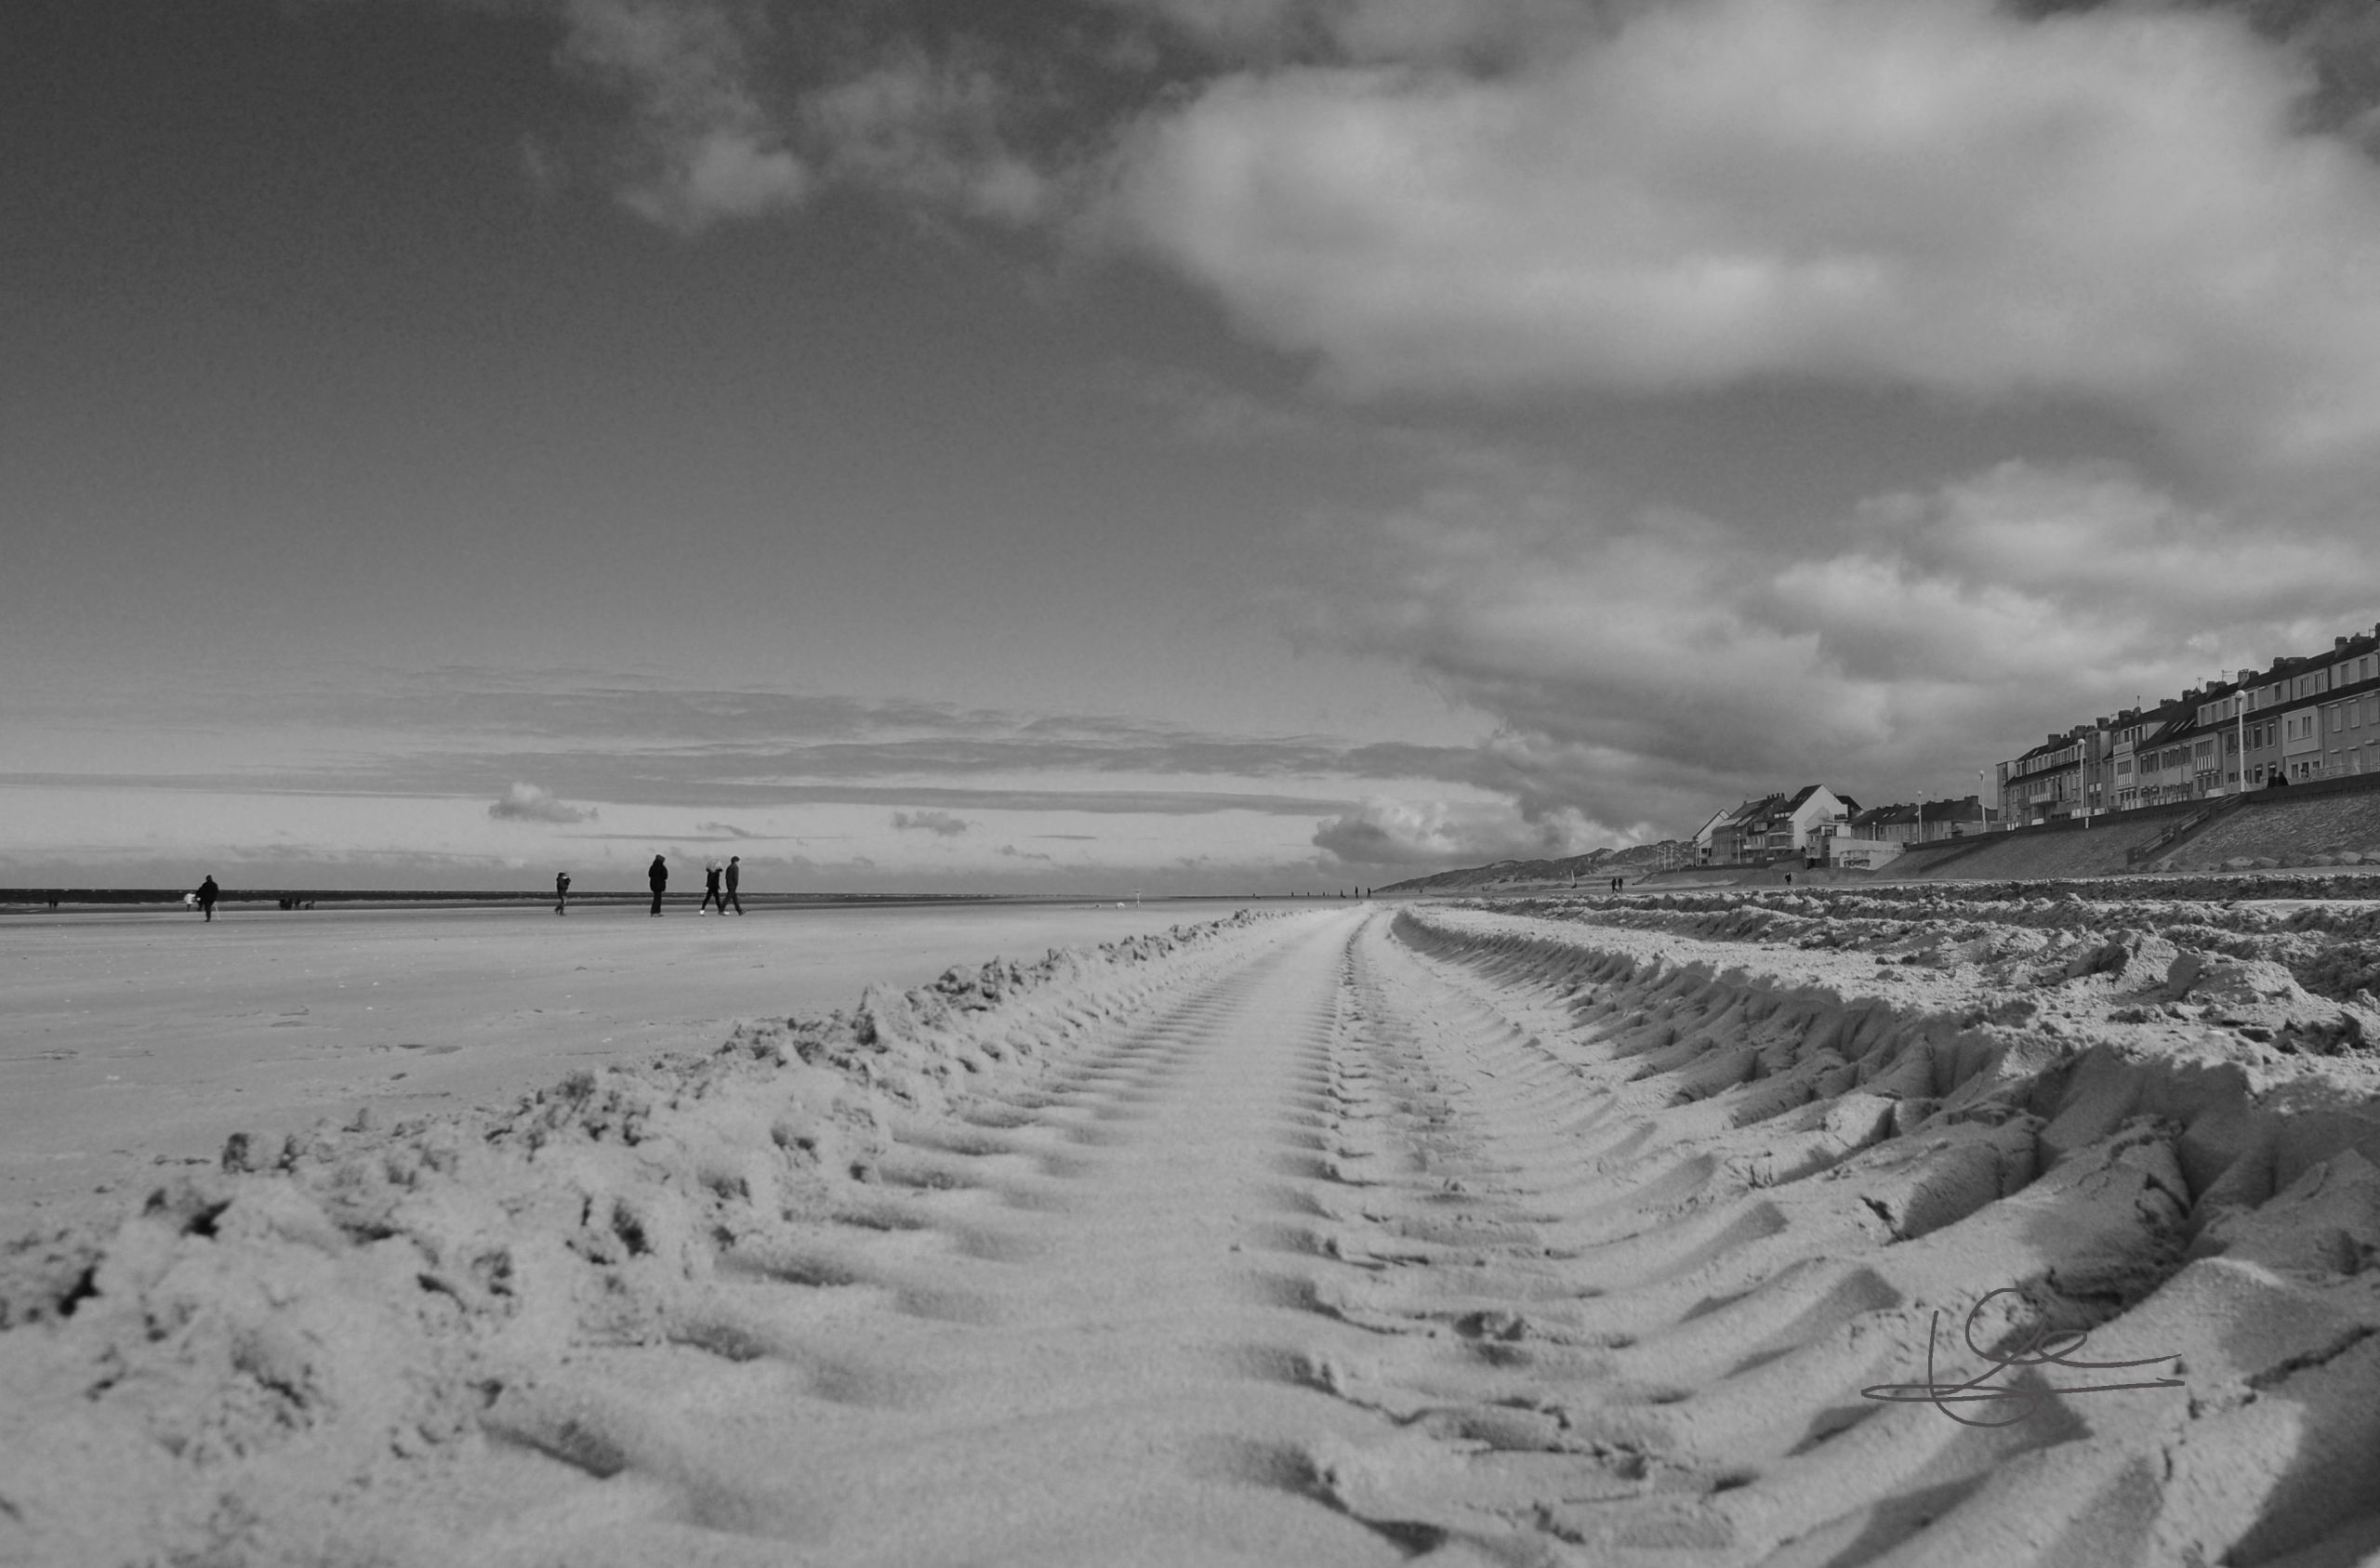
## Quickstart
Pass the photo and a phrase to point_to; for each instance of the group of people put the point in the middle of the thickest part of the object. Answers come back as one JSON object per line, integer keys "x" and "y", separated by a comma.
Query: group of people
{"x": 719, "y": 888}
{"x": 719, "y": 884}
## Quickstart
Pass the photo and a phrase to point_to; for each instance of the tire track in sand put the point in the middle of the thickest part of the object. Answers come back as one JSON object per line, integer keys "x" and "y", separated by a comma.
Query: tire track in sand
{"x": 1600, "y": 1337}
{"x": 1082, "y": 1327}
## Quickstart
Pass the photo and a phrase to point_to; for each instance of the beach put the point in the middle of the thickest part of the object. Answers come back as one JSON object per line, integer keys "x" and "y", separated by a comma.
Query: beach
{"x": 137, "y": 1041}
{"x": 1906, "y": 1225}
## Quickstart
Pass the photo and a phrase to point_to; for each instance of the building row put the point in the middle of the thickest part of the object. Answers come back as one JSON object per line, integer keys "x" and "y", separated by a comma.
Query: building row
{"x": 1815, "y": 827}
{"x": 2309, "y": 716}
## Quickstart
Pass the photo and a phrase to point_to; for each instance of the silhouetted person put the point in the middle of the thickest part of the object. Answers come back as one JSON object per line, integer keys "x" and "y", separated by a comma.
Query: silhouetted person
{"x": 657, "y": 875}
{"x": 206, "y": 894}
{"x": 734, "y": 873}
{"x": 562, "y": 893}
{"x": 710, "y": 890}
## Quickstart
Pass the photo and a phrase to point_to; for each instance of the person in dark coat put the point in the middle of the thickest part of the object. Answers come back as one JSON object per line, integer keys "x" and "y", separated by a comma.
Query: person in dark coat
{"x": 206, "y": 894}
{"x": 562, "y": 893}
{"x": 657, "y": 875}
{"x": 734, "y": 873}
{"x": 710, "y": 890}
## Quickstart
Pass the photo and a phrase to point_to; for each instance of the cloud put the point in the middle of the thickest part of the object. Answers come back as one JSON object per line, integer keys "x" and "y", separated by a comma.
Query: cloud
{"x": 1645, "y": 667}
{"x": 2118, "y": 205}
{"x": 526, "y": 802}
{"x": 929, "y": 130}
{"x": 1405, "y": 31}
{"x": 1403, "y": 833}
{"x": 726, "y": 830}
{"x": 940, "y": 824}
{"x": 592, "y": 735}
{"x": 702, "y": 145}
{"x": 1012, "y": 853}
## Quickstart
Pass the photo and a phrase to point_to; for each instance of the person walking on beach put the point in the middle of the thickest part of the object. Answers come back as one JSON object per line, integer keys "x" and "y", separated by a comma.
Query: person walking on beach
{"x": 657, "y": 875}
{"x": 562, "y": 893}
{"x": 207, "y": 893}
{"x": 734, "y": 873}
{"x": 710, "y": 890}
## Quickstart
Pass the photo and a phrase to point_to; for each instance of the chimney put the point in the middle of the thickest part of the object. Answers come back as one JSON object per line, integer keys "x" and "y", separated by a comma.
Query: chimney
{"x": 2338, "y": 645}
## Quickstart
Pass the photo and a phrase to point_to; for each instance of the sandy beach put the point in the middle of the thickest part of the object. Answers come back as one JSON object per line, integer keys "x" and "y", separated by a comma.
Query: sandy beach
{"x": 1578, "y": 1232}
{"x": 139, "y": 1039}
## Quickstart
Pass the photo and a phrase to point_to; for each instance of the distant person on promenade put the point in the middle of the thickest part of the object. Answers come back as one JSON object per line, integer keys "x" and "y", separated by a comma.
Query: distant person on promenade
{"x": 562, "y": 893}
{"x": 657, "y": 875}
{"x": 734, "y": 873}
{"x": 710, "y": 890}
{"x": 206, "y": 894}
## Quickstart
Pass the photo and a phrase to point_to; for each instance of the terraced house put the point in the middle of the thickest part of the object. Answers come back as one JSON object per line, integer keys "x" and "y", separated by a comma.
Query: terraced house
{"x": 2309, "y": 716}
{"x": 1775, "y": 827}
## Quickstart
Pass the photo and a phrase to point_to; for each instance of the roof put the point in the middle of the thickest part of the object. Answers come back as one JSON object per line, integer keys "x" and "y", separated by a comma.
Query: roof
{"x": 1753, "y": 810}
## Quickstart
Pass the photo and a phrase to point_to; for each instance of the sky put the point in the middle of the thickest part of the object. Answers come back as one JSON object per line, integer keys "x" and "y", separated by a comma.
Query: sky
{"x": 1186, "y": 445}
